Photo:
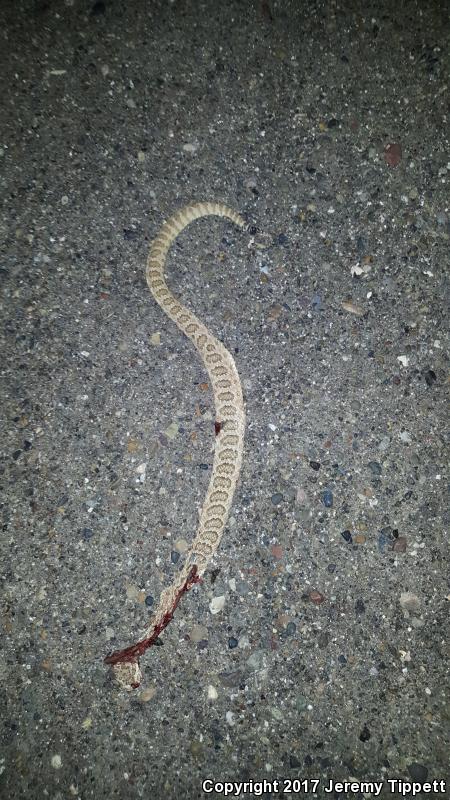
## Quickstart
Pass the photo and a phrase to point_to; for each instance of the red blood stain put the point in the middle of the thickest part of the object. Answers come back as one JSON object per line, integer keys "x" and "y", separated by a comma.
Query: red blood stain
{"x": 133, "y": 652}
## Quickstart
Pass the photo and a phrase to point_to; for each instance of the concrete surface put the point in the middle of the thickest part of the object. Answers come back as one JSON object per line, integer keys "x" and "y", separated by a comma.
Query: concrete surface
{"x": 325, "y": 124}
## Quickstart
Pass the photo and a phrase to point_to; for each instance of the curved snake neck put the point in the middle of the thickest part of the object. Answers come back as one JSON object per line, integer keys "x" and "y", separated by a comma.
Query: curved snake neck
{"x": 229, "y": 442}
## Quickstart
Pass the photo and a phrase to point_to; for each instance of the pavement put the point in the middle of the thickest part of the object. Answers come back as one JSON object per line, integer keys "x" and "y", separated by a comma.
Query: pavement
{"x": 311, "y": 660}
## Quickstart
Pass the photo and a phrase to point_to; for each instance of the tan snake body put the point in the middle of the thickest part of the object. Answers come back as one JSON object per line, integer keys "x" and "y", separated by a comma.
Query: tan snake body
{"x": 229, "y": 442}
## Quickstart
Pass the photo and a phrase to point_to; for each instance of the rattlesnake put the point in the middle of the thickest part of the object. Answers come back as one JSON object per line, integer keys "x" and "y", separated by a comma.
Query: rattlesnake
{"x": 229, "y": 428}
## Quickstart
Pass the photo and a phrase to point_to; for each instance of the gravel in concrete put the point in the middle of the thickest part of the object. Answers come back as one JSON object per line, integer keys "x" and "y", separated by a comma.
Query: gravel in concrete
{"x": 315, "y": 649}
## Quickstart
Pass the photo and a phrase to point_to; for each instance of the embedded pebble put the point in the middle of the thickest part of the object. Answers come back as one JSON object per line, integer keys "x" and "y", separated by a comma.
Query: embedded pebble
{"x": 230, "y": 679}
{"x": 172, "y": 430}
{"x": 141, "y": 470}
{"x": 217, "y": 604}
{"x": 147, "y": 694}
{"x": 277, "y": 498}
{"x": 291, "y": 628}
{"x": 400, "y": 544}
{"x": 256, "y": 660}
{"x": 418, "y": 772}
{"x": 300, "y": 496}
{"x": 365, "y": 734}
{"x": 277, "y": 551}
{"x": 327, "y": 498}
{"x": 276, "y": 713}
{"x": 430, "y": 377}
{"x": 384, "y": 538}
{"x": 316, "y": 597}
{"x": 410, "y": 603}
{"x": 359, "y": 606}
{"x": 56, "y": 761}
{"x": 301, "y": 702}
{"x": 198, "y": 633}
{"x": 98, "y": 8}
{"x": 393, "y": 154}
{"x": 375, "y": 468}
{"x": 352, "y": 308}
{"x": 196, "y": 748}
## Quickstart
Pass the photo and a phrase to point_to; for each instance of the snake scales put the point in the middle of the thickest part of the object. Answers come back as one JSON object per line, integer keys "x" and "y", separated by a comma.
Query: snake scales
{"x": 229, "y": 442}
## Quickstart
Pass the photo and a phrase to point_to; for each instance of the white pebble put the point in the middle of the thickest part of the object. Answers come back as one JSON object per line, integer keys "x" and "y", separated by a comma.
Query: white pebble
{"x": 216, "y": 604}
